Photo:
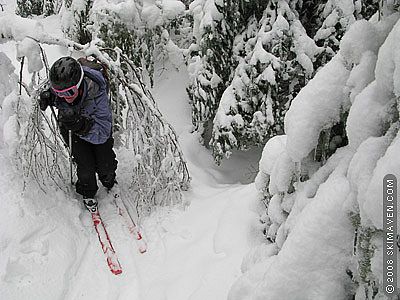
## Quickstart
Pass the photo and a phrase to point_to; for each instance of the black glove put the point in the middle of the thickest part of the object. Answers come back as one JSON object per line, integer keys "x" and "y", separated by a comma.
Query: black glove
{"x": 73, "y": 121}
{"x": 46, "y": 98}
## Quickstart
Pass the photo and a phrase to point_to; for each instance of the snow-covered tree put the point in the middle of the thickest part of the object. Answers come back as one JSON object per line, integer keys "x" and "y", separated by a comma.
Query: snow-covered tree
{"x": 76, "y": 20}
{"x": 335, "y": 18}
{"x": 144, "y": 33}
{"x": 159, "y": 171}
{"x": 27, "y": 8}
{"x": 276, "y": 57}
{"x": 277, "y": 62}
{"x": 323, "y": 219}
{"x": 51, "y": 7}
{"x": 216, "y": 23}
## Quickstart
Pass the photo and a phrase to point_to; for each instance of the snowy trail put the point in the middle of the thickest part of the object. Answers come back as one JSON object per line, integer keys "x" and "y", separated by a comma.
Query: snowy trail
{"x": 193, "y": 254}
{"x": 197, "y": 253}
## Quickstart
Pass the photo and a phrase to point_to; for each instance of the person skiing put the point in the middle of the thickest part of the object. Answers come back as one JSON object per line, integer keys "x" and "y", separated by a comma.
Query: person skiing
{"x": 81, "y": 96}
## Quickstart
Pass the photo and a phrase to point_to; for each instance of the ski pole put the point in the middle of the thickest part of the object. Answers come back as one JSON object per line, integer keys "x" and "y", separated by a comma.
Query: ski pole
{"x": 70, "y": 155}
{"x": 67, "y": 146}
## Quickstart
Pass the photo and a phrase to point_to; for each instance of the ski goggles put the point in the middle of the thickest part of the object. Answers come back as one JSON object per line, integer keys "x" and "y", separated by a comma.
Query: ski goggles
{"x": 69, "y": 94}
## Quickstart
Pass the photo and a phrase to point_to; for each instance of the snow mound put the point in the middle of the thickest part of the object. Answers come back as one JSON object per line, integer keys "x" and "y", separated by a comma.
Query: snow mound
{"x": 317, "y": 106}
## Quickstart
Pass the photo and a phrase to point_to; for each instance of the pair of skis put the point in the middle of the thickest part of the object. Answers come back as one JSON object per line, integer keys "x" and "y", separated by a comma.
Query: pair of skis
{"x": 104, "y": 238}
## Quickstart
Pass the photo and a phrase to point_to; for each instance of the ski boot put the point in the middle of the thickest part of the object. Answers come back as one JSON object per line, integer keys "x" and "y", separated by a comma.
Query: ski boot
{"x": 90, "y": 204}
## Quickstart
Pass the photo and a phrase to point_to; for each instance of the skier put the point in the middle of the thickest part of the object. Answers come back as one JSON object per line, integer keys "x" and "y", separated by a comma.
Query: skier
{"x": 81, "y": 96}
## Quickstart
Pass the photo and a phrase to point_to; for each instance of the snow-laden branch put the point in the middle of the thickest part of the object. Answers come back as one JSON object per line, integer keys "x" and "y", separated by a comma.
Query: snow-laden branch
{"x": 159, "y": 168}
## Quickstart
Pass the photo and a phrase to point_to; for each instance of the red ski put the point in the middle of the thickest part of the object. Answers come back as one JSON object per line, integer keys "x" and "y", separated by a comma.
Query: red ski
{"x": 130, "y": 224}
{"x": 105, "y": 243}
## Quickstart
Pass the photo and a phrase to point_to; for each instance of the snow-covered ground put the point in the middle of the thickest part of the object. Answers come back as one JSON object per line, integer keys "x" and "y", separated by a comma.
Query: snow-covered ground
{"x": 322, "y": 220}
{"x": 49, "y": 250}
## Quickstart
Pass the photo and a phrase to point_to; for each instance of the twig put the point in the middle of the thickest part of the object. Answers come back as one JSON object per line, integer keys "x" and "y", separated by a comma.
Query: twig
{"x": 20, "y": 75}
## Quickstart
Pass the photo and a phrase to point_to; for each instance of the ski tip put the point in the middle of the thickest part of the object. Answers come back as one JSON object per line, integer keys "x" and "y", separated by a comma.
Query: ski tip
{"x": 116, "y": 272}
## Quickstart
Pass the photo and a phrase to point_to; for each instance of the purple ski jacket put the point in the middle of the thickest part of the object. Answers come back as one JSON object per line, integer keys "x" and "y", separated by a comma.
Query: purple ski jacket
{"x": 94, "y": 104}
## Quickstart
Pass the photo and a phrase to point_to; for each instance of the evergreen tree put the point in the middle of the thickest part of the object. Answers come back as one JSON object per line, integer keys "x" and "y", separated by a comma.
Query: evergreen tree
{"x": 28, "y": 8}
{"x": 211, "y": 64}
{"x": 289, "y": 175}
{"x": 310, "y": 12}
{"x": 141, "y": 33}
{"x": 51, "y": 7}
{"x": 76, "y": 20}
{"x": 275, "y": 57}
{"x": 126, "y": 27}
{"x": 277, "y": 62}
{"x": 336, "y": 17}
{"x": 48, "y": 8}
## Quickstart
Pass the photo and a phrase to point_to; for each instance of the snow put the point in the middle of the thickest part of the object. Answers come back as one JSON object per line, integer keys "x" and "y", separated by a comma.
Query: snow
{"x": 300, "y": 270}
{"x": 31, "y": 50}
{"x": 172, "y": 9}
{"x": 310, "y": 234}
{"x": 361, "y": 169}
{"x": 361, "y": 75}
{"x": 387, "y": 164}
{"x": 49, "y": 250}
{"x": 368, "y": 115}
{"x": 360, "y": 37}
{"x": 8, "y": 79}
{"x": 282, "y": 173}
{"x": 274, "y": 147}
{"x": 13, "y": 26}
{"x": 214, "y": 248}
{"x": 317, "y": 106}
{"x": 204, "y": 13}
{"x": 387, "y": 72}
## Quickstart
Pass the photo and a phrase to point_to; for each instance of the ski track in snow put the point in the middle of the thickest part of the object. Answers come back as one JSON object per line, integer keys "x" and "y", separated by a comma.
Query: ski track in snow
{"x": 50, "y": 250}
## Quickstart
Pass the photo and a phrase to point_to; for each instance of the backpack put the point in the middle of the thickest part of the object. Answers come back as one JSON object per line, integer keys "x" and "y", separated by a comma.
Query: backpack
{"x": 95, "y": 64}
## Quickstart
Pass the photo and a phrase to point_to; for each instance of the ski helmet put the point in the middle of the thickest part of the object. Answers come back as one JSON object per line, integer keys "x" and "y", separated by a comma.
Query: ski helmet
{"x": 64, "y": 73}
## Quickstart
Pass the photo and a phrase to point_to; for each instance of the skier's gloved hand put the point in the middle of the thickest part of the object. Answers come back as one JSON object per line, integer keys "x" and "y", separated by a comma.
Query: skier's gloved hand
{"x": 75, "y": 122}
{"x": 46, "y": 98}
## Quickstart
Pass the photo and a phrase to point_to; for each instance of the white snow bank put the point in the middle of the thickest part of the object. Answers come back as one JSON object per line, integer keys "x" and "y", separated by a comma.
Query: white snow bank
{"x": 42, "y": 243}
{"x": 313, "y": 260}
{"x": 317, "y": 106}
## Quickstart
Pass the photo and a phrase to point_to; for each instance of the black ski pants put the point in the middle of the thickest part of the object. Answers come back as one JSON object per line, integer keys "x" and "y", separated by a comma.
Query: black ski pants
{"x": 91, "y": 159}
